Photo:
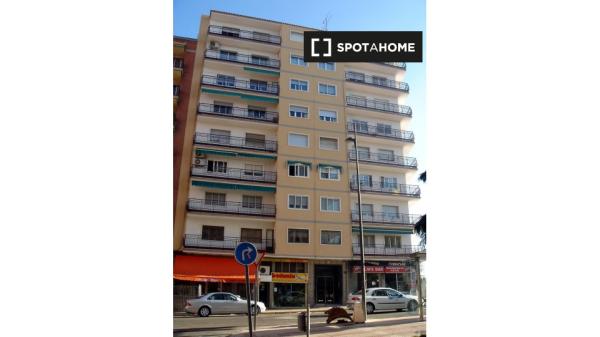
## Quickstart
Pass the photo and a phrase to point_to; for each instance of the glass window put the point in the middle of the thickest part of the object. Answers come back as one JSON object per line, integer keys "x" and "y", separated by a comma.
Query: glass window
{"x": 298, "y": 201}
{"x": 354, "y": 76}
{"x": 327, "y": 66}
{"x": 297, "y": 60}
{"x": 223, "y": 108}
{"x": 298, "y": 111}
{"x": 330, "y": 173}
{"x": 235, "y": 32}
{"x": 389, "y": 183}
{"x": 297, "y": 140}
{"x": 256, "y": 112}
{"x": 251, "y": 235}
{"x": 387, "y": 155}
{"x": 215, "y": 198}
{"x": 253, "y": 170}
{"x": 213, "y": 233}
{"x": 224, "y": 80}
{"x": 392, "y": 242}
{"x": 330, "y": 204}
{"x": 367, "y": 210}
{"x": 380, "y": 80}
{"x": 220, "y": 136}
{"x": 288, "y": 294}
{"x": 331, "y": 237}
{"x": 258, "y": 85}
{"x": 299, "y": 85}
{"x": 328, "y": 116}
{"x": 297, "y": 235}
{"x": 328, "y": 143}
{"x": 384, "y": 129}
{"x": 298, "y": 170}
{"x": 217, "y": 166}
{"x": 251, "y": 201}
{"x": 260, "y": 60}
{"x": 369, "y": 240}
{"x": 295, "y": 36}
{"x": 228, "y": 55}
{"x": 364, "y": 152}
{"x": 390, "y": 212}
{"x": 255, "y": 140}
{"x": 327, "y": 89}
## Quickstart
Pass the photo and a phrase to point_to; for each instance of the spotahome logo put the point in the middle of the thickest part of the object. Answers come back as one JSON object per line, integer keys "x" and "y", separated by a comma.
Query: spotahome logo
{"x": 323, "y": 46}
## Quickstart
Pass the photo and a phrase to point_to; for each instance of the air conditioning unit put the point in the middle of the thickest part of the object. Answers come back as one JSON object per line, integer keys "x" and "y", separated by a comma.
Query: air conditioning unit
{"x": 214, "y": 45}
{"x": 200, "y": 161}
{"x": 264, "y": 270}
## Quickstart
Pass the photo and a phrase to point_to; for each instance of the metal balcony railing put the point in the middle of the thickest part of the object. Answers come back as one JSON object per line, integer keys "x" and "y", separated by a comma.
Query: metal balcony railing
{"x": 377, "y": 81}
{"x": 383, "y": 158}
{"x": 381, "y": 131}
{"x": 230, "y": 207}
{"x": 400, "y": 65}
{"x": 177, "y": 63}
{"x": 386, "y": 218}
{"x": 242, "y": 58}
{"x": 387, "y": 251}
{"x": 239, "y": 142}
{"x": 244, "y": 34}
{"x": 176, "y": 90}
{"x": 257, "y": 86}
{"x": 379, "y": 106}
{"x": 235, "y": 173}
{"x": 236, "y": 112}
{"x": 228, "y": 242}
{"x": 389, "y": 188}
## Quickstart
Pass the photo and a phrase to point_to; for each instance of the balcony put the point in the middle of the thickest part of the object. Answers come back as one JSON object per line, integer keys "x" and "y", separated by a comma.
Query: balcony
{"x": 242, "y": 58}
{"x": 380, "y": 158}
{"x": 413, "y": 191}
{"x": 376, "y": 81}
{"x": 381, "y": 131}
{"x": 235, "y": 174}
{"x": 236, "y": 112}
{"x": 263, "y": 87}
{"x": 239, "y": 142}
{"x": 229, "y": 207}
{"x": 400, "y": 65}
{"x": 386, "y": 218}
{"x": 382, "y": 250}
{"x": 196, "y": 241}
{"x": 379, "y": 106}
{"x": 244, "y": 34}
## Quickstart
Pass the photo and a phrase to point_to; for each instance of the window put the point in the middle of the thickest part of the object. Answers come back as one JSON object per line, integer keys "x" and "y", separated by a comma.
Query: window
{"x": 258, "y": 85}
{"x": 365, "y": 180}
{"x": 217, "y": 199}
{"x": 392, "y": 242}
{"x": 217, "y": 297}
{"x": 384, "y": 129}
{"x": 176, "y": 90}
{"x": 298, "y": 170}
{"x": 360, "y": 126}
{"x": 369, "y": 240}
{"x": 177, "y": 63}
{"x": 223, "y": 108}
{"x": 327, "y": 89}
{"x": 256, "y": 112}
{"x": 328, "y": 116}
{"x": 330, "y": 173}
{"x": 330, "y": 204}
{"x": 387, "y": 155}
{"x": 298, "y": 201}
{"x": 260, "y": 60}
{"x": 327, "y": 66}
{"x": 228, "y": 55}
{"x": 299, "y": 85}
{"x": 331, "y": 237}
{"x": 297, "y": 60}
{"x": 367, "y": 209}
{"x": 298, "y": 111}
{"x": 354, "y": 76}
{"x": 251, "y": 235}
{"x": 253, "y": 170}
{"x": 297, "y": 235}
{"x": 295, "y": 36}
{"x": 227, "y": 31}
{"x": 213, "y": 233}
{"x": 381, "y": 104}
{"x": 217, "y": 166}
{"x": 226, "y": 81}
{"x": 390, "y": 212}
{"x": 219, "y": 136}
{"x": 297, "y": 140}
{"x": 289, "y": 267}
{"x": 364, "y": 152}
{"x": 252, "y": 201}
{"x": 378, "y": 80}
{"x": 328, "y": 143}
{"x": 255, "y": 140}
{"x": 389, "y": 183}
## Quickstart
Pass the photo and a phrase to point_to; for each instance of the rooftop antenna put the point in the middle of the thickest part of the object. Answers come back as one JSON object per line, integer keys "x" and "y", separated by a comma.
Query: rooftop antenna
{"x": 326, "y": 20}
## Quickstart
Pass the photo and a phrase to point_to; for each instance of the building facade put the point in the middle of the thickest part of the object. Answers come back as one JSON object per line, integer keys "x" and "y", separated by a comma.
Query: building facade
{"x": 270, "y": 163}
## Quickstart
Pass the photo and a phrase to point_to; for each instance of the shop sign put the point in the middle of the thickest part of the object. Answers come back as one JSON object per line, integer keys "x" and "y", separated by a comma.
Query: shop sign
{"x": 391, "y": 269}
{"x": 278, "y": 277}
{"x": 396, "y": 269}
{"x": 368, "y": 269}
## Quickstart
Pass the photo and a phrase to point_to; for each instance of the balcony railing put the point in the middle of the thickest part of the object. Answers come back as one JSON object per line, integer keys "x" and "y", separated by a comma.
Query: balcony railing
{"x": 236, "y": 112}
{"x": 383, "y": 158}
{"x": 386, "y": 218}
{"x": 230, "y": 207}
{"x": 387, "y": 251}
{"x": 388, "y": 188}
{"x": 381, "y": 131}
{"x": 400, "y": 65}
{"x": 257, "y": 86}
{"x": 178, "y": 63}
{"x": 235, "y": 173}
{"x": 242, "y": 58}
{"x": 176, "y": 90}
{"x": 244, "y": 34}
{"x": 196, "y": 241}
{"x": 239, "y": 142}
{"x": 379, "y": 106}
{"x": 377, "y": 81}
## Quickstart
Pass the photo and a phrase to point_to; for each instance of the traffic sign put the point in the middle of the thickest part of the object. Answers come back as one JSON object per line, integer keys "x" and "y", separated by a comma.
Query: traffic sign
{"x": 245, "y": 253}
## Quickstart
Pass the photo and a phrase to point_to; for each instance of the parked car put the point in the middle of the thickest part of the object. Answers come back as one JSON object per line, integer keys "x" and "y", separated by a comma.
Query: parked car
{"x": 220, "y": 303}
{"x": 385, "y": 299}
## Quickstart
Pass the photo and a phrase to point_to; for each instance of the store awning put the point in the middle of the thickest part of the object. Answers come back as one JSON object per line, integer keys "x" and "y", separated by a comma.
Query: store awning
{"x": 292, "y": 162}
{"x": 199, "y": 268}
{"x": 330, "y": 165}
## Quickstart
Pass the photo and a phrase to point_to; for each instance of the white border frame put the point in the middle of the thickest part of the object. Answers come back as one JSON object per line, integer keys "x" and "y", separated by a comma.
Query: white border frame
{"x": 337, "y": 114}
{"x": 329, "y": 197}
{"x": 321, "y": 178}
{"x": 329, "y": 71}
{"x": 330, "y": 244}
{"x": 298, "y": 79}
{"x": 336, "y": 138}
{"x": 302, "y": 106}
{"x": 297, "y": 65}
{"x": 287, "y": 234}
{"x": 301, "y": 134}
{"x": 296, "y": 31}
{"x": 299, "y": 195}
{"x": 329, "y": 84}
{"x": 307, "y": 170}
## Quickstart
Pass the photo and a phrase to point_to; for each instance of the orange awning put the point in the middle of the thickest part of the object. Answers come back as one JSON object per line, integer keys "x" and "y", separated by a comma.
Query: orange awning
{"x": 200, "y": 268}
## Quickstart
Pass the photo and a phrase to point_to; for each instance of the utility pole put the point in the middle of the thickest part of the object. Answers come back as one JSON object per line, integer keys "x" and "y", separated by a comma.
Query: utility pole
{"x": 419, "y": 294}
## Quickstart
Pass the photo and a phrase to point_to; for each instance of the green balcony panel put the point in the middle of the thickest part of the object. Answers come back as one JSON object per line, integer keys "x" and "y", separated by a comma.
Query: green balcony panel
{"x": 262, "y": 71}
{"x": 233, "y": 154}
{"x": 382, "y": 230}
{"x": 233, "y": 186}
{"x": 243, "y": 96}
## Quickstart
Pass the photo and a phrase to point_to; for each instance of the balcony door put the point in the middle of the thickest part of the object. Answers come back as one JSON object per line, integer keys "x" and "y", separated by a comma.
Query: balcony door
{"x": 252, "y": 171}
{"x": 390, "y": 213}
{"x": 255, "y": 140}
{"x": 228, "y": 55}
{"x": 253, "y": 235}
{"x": 258, "y": 85}
{"x": 367, "y": 211}
{"x": 223, "y": 108}
{"x": 252, "y": 201}
{"x": 225, "y": 80}
{"x": 386, "y": 155}
{"x": 215, "y": 199}
{"x": 260, "y": 60}
{"x": 256, "y": 112}
{"x": 220, "y": 136}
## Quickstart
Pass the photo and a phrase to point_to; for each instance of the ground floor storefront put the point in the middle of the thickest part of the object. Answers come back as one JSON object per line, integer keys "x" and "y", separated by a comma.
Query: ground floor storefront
{"x": 399, "y": 275}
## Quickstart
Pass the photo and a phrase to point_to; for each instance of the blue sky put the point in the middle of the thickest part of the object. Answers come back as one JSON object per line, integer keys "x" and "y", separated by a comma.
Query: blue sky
{"x": 344, "y": 15}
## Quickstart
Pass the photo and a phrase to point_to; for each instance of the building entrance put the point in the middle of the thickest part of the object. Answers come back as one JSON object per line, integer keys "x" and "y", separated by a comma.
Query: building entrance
{"x": 328, "y": 284}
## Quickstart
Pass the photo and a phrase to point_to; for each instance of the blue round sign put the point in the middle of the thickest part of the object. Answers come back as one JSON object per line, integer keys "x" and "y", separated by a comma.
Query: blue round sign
{"x": 245, "y": 253}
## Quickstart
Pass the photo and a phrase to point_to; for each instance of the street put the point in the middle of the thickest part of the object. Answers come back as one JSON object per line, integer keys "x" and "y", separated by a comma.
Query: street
{"x": 227, "y": 325}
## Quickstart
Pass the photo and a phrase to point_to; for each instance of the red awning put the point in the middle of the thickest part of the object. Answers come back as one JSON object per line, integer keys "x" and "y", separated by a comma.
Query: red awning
{"x": 201, "y": 268}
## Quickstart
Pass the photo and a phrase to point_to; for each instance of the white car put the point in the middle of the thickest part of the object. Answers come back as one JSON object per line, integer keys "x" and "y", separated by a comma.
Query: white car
{"x": 385, "y": 299}
{"x": 220, "y": 303}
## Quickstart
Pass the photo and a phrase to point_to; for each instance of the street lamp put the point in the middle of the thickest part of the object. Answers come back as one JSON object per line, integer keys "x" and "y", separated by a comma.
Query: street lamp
{"x": 360, "y": 221}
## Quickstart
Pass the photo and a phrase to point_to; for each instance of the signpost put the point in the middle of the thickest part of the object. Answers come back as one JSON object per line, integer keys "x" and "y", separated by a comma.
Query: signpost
{"x": 245, "y": 254}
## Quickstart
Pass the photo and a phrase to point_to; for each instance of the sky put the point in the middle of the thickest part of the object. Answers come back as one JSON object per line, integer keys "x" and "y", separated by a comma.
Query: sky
{"x": 372, "y": 15}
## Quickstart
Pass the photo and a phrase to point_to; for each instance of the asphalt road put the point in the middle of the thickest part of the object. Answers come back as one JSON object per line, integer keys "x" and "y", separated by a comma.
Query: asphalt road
{"x": 225, "y": 325}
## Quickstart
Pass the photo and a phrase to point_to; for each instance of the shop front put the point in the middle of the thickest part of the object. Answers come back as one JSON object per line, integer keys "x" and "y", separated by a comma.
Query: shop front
{"x": 283, "y": 283}
{"x": 399, "y": 275}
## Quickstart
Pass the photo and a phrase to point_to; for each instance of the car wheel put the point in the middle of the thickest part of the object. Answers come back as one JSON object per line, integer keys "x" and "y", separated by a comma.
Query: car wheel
{"x": 204, "y": 312}
{"x": 370, "y": 308}
{"x": 412, "y": 306}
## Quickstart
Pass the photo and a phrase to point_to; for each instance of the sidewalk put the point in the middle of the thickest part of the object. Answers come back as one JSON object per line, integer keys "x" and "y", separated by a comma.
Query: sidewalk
{"x": 317, "y": 311}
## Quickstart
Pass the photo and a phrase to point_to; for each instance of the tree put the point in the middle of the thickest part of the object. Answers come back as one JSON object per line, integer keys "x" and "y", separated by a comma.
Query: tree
{"x": 421, "y": 225}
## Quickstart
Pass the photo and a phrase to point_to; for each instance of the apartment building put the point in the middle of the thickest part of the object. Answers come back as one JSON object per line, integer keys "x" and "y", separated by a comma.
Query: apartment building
{"x": 270, "y": 163}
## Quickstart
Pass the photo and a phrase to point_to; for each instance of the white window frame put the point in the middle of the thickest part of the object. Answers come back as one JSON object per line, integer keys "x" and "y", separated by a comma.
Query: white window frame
{"x": 297, "y": 79}
{"x": 297, "y": 243}
{"x": 298, "y": 195}
{"x": 307, "y": 171}
{"x": 327, "y": 197}
{"x": 325, "y": 121}
{"x": 300, "y": 134}
{"x": 330, "y": 244}
{"x": 337, "y": 140}
{"x": 299, "y": 65}
{"x": 319, "y": 66}
{"x": 300, "y": 106}
{"x": 329, "y": 167}
{"x": 295, "y": 31}
{"x": 327, "y": 84}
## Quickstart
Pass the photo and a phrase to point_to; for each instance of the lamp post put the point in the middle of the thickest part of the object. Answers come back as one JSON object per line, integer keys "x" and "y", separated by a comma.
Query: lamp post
{"x": 360, "y": 221}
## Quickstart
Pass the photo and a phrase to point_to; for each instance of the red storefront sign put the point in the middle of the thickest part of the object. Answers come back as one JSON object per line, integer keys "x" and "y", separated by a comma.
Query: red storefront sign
{"x": 381, "y": 269}
{"x": 396, "y": 269}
